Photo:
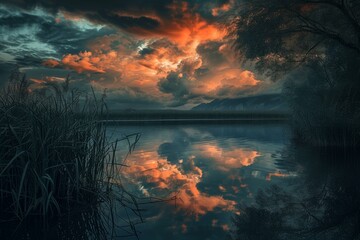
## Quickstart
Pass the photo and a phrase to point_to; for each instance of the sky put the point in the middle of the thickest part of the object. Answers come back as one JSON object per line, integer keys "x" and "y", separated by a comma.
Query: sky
{"x": 144, "y": 54}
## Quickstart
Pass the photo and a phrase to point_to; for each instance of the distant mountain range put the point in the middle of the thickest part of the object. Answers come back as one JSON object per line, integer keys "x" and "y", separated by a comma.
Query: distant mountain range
{"x": 266, "y": 102}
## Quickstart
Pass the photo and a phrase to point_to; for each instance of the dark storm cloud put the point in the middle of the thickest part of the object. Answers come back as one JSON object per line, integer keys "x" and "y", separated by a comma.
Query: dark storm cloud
{"x": 162, "y": 52}
{"x": 211, "y": 54}
{"x": 137, "y": 14}
{"x": 104, "y": 11}
{"x": 146, "y": 51}
{"x": 124, "y": 22}
{"x": 121, "y": 99}
{"x": 130, "y": 96}
{"x": 201, "y": 72}
{"x": 29, "y": 59}
{"x": 176, "y": 85}
{"x": 207, "y": 8}
{"x": 93, "y": 5}
{"x": 67, "y": 38}
{"x": 27, "y": 38}
{"x": 229, "y": 90}
{"x": 32, "y": 36}
{"x": 15, "y": 21}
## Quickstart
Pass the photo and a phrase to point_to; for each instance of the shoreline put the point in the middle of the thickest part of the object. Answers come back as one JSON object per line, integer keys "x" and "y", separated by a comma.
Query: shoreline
{"x": 193, "y": 121}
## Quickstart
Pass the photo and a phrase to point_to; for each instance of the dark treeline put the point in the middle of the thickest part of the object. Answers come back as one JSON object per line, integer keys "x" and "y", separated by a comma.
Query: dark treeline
{"x": 192, "y": 115}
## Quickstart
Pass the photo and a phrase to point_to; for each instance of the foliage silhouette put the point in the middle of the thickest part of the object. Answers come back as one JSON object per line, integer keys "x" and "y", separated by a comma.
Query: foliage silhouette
{"x": 315, "y": 47}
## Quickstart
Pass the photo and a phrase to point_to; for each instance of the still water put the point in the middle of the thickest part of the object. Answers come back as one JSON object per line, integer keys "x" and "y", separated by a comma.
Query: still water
{"x": 245, "y": 181}
{"x": 211, "y": 170}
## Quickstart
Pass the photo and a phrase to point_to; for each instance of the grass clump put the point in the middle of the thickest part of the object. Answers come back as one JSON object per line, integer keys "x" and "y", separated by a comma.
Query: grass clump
{"x": 50, "y": 158}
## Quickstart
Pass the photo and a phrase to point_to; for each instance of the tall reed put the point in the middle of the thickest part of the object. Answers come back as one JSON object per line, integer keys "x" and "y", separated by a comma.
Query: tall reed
{"x": 53, "y": 152}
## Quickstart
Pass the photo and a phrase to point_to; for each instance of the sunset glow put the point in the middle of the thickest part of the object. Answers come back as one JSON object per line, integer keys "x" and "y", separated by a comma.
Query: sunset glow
{"x": 175, "y": 55}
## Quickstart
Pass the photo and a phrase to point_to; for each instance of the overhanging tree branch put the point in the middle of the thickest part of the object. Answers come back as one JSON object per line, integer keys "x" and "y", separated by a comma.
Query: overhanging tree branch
{"x": 317, "y": 28}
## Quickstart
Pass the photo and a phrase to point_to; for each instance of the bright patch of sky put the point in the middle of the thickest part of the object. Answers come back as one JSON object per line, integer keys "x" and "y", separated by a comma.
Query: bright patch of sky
{"x": 6, "y": 12}
{"x": 81, "y": 24}
{"x": 5, "y": 57}
{"x": 25, "y": 38}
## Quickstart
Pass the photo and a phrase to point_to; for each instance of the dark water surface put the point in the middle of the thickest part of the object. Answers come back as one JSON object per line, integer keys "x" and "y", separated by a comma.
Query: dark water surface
{"x": 213, "y": 174}
{"x": 211, "y": 169}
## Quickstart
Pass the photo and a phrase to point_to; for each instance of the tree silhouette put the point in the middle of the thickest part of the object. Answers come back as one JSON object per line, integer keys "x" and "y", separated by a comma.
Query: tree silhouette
{"x": 284, "y": 33}
{"x": 315, "y": 45}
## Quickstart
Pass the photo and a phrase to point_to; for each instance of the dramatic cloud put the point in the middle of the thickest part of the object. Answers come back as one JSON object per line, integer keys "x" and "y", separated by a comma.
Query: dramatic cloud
{"x": 40, "y": 35}
{"x": 85, "y": 61}
{"x": 176, "y": 84}
{"x": 164, "y": 53}
{"x": 51, "y": 63}
{"x": 143, "y": 17}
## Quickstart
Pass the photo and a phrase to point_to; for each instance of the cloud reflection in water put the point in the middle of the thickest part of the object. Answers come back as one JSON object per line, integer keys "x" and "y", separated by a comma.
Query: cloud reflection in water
{"x": 211, "y": 169}
{"x": 175, "y": 168}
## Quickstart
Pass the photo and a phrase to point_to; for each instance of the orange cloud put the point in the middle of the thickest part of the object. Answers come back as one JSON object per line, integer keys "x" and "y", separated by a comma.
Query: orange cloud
{"x": 187, "y": 28}
{"x": 142, "y": 59}
{"x": 223, "y": 8}
{"x": 38, "y": 84}
{"x": 47, "y": 79}
{"x": 84, "y": 61}
{"x": 227, "y": 82}
{"x": 125, "y": 64}
{"x": 51, "y": 63}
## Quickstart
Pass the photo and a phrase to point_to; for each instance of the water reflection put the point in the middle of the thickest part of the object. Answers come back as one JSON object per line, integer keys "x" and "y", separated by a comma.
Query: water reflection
{"x": 324, "y": 204}
{"x": 250, "y": 173}
{"x": 210, "y": 169}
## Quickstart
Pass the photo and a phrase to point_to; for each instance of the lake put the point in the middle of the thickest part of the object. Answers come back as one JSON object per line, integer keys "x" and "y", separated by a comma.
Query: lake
{"x": 214, "y": 181}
